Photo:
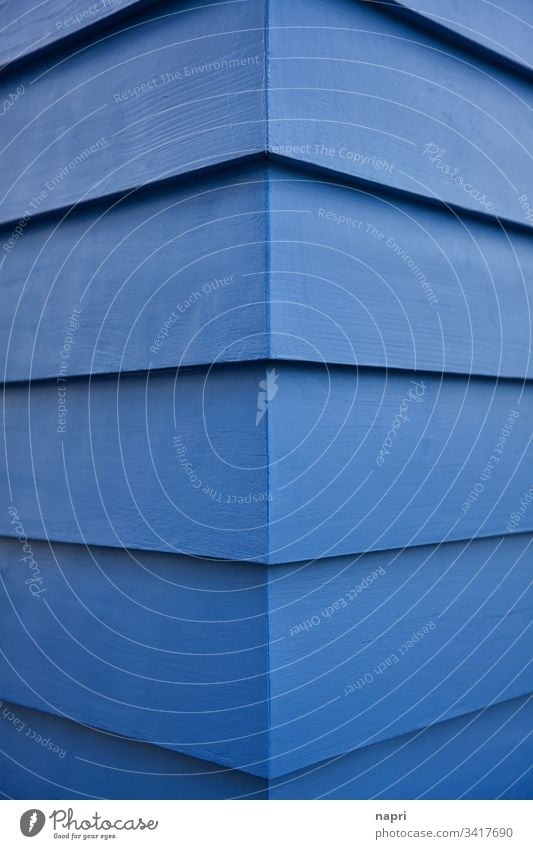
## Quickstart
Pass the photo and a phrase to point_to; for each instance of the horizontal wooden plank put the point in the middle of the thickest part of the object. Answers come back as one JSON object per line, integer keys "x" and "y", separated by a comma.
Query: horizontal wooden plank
{"x": 504, "y": 30}
{"x": 161, "y": 278}
{"x": 368, "y": 279}
{"x": 160, "y": 648}
{"x": 54, "y": 157}
{"x": 166, "y": 96}
{"x": 365, "y": 459}
{"x": 95, "y": 765}
{"x": 365, "y": 649}
{"x": 486, "y": 755}
{"x": 160, "y": 461}
{"x": 29, "y": 27}
{"x": 363, "y": 93}
{"x": 181, "y": 275}
{"x": 177, "y": 462}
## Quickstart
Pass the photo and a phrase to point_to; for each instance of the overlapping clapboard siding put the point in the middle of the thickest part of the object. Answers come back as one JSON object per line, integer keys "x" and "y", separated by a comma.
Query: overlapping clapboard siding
{"x": 503, "y": 30}
{"x": 160, "y": 648}
{"x": 86, "y": 127}
{"x": 137, "y": 478}
{"x": 483, "y": 755}
{"x": 368, "y": 648}
{"x": 159, "y": 278}
{"x": 360, "y": 92}
{"x": 165, "y": 461}
{"x": 29, "y": 27}
{"x": 84, "y": 763}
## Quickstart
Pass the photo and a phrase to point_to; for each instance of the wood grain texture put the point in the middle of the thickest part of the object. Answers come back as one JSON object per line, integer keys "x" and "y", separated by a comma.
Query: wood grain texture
{"x": 504, "y": 30}
{"x": 95, "y": 765}
{"x": 369, "y": 648}
{"x": 164, "y": 649}
{"x": 362, "y": 278}
{"x": 486, "y": 755}
{"x": 360, "y": 92}
{"x": 173, "y": 93}
{"x": 376, "y": 460}
{"x": 30, "y": 27}
{"x": 156, "y": 461}
{"x": 162, "y": 278}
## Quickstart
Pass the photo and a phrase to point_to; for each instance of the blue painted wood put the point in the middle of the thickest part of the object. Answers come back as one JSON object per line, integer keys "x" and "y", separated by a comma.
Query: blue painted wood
{"x": 167, "y": 96}
{"x": 160, "y": 461}
{"x": 271, "y": 461}
{"x": 160, "y": 648}
{"x": 182, "y": 276}
{"x": 480, "y": 756}
{"x": 101, "y": 624}
{"x": 155, "y": 462}
{"x": 360, "y": 92}
{"x": 151, "y": 280}
{"x": 29, "y": 27}
{"x": 374, "y": 459}
{"x": 95, "y": 765}
{"x": 364, "y": 649}
{"x": 126, "y": 98}
{"x": 122, "y": 100}
{"x": 485, "y": 755}
{"x": 362, "y": 278}
{"x": 502, "y": 30}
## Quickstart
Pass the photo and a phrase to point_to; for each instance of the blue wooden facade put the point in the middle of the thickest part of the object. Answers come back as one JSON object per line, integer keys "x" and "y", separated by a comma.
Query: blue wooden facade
{"x": 267, "y": 494}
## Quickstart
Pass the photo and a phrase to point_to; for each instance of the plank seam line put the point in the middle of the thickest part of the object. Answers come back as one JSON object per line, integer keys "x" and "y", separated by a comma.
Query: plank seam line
{"x": 435, "y": 28}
